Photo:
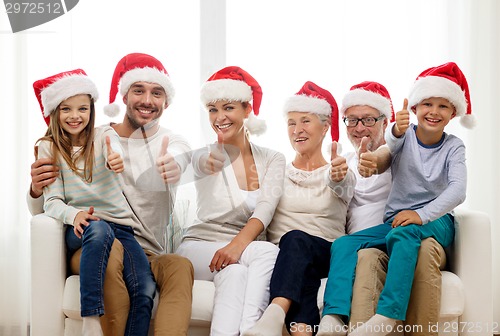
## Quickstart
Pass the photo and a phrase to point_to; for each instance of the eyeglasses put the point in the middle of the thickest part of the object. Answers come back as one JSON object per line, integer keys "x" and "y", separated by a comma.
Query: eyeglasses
{"x": 367, "y": 122}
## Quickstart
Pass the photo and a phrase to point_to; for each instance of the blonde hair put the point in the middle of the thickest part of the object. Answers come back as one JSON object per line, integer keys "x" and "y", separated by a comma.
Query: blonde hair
{"x": 61, "y": 144}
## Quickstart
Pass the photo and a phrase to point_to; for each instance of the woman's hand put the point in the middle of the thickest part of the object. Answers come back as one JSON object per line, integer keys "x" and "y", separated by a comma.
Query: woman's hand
{"x": 338, "y": 165}
{"x": 229, "y": 254}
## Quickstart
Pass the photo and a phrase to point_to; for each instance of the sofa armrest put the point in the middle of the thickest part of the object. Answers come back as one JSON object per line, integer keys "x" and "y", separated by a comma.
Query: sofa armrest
{"x": 48, "y": 274}
{"x": 471, "y": 260}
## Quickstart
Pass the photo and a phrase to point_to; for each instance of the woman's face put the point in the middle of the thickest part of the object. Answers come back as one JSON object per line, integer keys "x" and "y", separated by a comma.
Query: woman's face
{"x": 306, "y": 132}
{"x": 226, "y": 118}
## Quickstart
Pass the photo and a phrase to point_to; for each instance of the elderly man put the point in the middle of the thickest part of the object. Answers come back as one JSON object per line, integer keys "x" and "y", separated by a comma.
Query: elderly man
{"x": 367, "y": 110}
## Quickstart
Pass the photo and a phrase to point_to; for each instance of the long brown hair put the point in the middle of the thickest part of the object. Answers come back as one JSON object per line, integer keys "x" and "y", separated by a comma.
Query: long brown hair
{"x": 61, "y": 144}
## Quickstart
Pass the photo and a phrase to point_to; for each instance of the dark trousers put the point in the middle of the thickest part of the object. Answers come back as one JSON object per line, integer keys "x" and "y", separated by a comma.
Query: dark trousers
{"x": 302, "y": 262}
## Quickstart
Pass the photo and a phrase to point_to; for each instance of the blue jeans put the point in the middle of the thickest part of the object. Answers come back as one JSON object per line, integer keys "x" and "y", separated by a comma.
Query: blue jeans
{"x": 402, "y": 244}
{"x": 96, "y": 244}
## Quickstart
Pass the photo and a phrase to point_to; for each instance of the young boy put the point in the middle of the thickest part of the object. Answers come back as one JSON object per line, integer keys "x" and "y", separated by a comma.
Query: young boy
{"x": 429, "y": 180}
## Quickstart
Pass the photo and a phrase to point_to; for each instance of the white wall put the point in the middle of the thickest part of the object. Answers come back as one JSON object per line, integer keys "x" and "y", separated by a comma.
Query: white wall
{"x": 333, "y": 43}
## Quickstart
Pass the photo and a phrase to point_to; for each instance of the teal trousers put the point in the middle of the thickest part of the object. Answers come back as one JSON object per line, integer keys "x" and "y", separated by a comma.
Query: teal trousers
{"x": 401, "y": 244}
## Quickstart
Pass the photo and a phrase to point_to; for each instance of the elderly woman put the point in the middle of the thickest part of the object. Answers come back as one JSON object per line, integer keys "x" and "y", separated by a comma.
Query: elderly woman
{"x": 310, "y": 215}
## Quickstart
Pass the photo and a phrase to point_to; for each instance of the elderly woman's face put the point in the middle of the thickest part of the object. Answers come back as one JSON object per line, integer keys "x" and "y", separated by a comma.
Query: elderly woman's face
{"x": 306, "y": 131}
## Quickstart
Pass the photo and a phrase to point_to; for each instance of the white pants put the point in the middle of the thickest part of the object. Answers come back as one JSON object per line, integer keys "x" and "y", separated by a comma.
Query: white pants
{"x": 241, "y": 290}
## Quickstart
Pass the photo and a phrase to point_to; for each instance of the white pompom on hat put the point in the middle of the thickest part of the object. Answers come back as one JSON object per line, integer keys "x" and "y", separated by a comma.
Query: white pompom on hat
{"x": 372, "y": 94}
{"x": 232, "y": 83}
{"x": 51, "y": 91}
{"x": 137, "y": 67}
{"x": 312, "y": 98}
{"x": 445, "y": 81}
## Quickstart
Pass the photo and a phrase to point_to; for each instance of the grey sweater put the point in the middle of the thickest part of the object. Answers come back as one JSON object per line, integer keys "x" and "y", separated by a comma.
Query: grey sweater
{"x": 430, "y": 180}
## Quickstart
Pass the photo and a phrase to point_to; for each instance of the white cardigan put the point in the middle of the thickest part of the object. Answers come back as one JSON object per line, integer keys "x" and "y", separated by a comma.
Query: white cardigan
{"x": 221, "y": 210}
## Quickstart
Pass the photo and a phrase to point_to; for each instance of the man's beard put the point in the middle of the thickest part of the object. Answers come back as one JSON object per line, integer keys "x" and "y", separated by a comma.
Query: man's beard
{"x": 136, "y": 125}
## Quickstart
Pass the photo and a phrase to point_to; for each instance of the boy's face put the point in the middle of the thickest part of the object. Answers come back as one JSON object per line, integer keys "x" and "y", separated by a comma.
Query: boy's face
{"x": 433, "y": 114}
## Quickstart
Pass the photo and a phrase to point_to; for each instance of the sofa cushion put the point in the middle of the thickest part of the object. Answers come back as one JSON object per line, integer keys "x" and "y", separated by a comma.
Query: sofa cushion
{"x": 452, "y": 295}
{"x": 71, "y": 298}
{"x": 203, "y": 301}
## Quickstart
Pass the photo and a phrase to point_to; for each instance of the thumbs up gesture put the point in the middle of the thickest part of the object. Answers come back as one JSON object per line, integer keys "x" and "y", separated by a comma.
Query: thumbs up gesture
{"x": 402, "y": 121}
{"x": 338, "y": 165}
{"x": 367, "y": 161}
{"x": 115, "y": 161}
{"x": 215, "y": 161}
{"x": 166, "y": 164}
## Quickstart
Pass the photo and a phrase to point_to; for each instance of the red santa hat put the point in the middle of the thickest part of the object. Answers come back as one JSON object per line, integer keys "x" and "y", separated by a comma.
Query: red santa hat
{"x": 51, "y": 91}
{"x": 235, "y": 84}
{"x": 372, "y": 94}
{"x": 312, "y": 98}
{"x": 445, "y": 81}
{"x": 137, "y": 67}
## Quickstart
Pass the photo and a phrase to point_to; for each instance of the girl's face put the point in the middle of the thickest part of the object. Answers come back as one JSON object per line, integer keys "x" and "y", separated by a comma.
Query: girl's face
{"x": 74, "y": 116}
{"x": 227, "y": 118}
{"x": 433, "y": 114}
{"x": 306, "y": 132}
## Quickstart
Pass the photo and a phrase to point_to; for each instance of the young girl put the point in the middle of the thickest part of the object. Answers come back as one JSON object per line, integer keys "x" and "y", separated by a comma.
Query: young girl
{"x": 247, "y": 181}
{"x": 87, "y": 197}
{"x": 429, "y": 179}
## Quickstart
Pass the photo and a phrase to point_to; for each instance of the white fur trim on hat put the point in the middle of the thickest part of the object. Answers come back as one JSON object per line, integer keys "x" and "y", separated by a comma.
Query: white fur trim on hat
{"x": 435, "y": 86}
{"x": 255, "y": 125}
{"x": 112, "y": 110}
{"x": 150, "y": 75}
{"x": 304, "y": 103}
{"x": 64, "y": 88}
{"x": 369, "y": 98}
{"x": 225, "y": 89}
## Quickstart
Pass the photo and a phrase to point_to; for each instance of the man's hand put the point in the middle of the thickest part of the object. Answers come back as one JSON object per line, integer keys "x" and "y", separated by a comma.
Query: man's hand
{"x": 44, "y": 171}
{"x": 115, "y": 161}
{"x": 166, "y": 164}
{"x": 338, "y": 165}
{"x": 402, "y": 121}
{"x": 367, "y": 161}
{"x": 81, "y": 221}
{"x": 215, "y": 160}
{"x": 406, "y": 217}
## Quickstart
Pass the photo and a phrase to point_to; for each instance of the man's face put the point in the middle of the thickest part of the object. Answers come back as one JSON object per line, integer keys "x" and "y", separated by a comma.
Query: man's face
{"x": 145, "y": 103}
{"x": 375, "y": 132}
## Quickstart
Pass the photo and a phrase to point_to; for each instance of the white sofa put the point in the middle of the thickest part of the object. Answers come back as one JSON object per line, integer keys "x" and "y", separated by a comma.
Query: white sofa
{"x": 466, "y": 304}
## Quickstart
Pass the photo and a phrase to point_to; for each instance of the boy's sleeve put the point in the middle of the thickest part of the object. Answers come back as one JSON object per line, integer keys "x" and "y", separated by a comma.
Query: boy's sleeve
{"x": 395, "y": 144}
{"x": 455, "y": 192}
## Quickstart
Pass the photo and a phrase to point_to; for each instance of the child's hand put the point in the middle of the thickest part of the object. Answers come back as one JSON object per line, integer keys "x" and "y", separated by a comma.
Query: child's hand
{"x": 367, "y": 161}
{"x": 81, "y": 221}
{"x": 338, "y": 165}
{"x": 406, "y": 217}
{"x": 166, "y": 164}
{"x": 402, "y": 121}
{"x": 215, "y": 161}
{"x": 115, "y": 161}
